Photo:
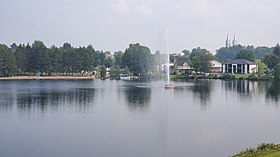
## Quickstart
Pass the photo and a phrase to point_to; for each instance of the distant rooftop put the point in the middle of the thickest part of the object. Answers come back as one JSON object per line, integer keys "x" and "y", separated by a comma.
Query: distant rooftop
{"x": 240, "y": 61}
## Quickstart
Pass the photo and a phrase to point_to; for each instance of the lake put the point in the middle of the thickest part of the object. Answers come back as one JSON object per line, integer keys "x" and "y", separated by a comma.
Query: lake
{"x": 95, "y": 118}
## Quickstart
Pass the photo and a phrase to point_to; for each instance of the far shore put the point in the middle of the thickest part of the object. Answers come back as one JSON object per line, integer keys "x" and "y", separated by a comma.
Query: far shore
{"x": 48, "y": 78}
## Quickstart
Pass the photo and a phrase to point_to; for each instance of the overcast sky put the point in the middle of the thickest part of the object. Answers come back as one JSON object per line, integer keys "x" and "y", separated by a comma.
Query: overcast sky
{"x": 114, "y": 24}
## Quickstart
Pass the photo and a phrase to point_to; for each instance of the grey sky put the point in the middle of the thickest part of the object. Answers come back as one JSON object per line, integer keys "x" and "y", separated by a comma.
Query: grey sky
{"x": 114, "y": 24}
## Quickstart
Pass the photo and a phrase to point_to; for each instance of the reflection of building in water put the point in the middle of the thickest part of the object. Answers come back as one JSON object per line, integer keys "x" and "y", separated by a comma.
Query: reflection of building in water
{"x": 138, "y": 98}
{"x": 243, "y": 87}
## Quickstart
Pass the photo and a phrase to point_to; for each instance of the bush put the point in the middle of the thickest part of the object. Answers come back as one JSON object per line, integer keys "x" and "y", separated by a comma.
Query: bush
{"x": 227, "y": 76}
{"x": 277, "y": 72}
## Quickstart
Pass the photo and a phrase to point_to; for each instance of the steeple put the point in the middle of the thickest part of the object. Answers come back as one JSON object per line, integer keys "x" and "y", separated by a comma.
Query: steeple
{"x": 227, "y": 42}
{"x": 234, "y": 42}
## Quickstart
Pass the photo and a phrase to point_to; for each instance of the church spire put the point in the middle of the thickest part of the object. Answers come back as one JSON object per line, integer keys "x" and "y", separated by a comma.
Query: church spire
{"x": 227, "y": 42}
{"x": 234, "y": 42}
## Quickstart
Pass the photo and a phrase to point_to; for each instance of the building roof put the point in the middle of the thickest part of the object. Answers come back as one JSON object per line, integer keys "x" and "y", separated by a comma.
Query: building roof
{"x": 240, "y": 61}
{"x": 181, "y": 63}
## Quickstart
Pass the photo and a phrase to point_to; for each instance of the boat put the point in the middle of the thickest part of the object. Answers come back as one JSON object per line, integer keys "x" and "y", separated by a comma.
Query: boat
{"x": 124, "y": 77}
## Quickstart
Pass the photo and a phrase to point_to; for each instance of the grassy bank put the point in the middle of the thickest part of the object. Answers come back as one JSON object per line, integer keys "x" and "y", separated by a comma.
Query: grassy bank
{"x": 47, "y": 78}
{"x": 263, "y": 150}
{"x": 224, "y": 76}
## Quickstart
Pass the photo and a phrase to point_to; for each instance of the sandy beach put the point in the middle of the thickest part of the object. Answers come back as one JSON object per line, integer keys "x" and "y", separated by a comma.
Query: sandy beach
{"x": 48, "y": 78}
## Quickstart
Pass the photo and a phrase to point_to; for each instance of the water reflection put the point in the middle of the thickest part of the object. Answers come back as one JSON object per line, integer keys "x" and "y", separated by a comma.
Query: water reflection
{"x": 78, "y": 99}
{"x": 202, "y": 90}
{"x": 273, "y": 91}
{"x": 138, "y": 98}
{"x": 244, "y": 88}
{"x": 6, "y": 103}
{"x": 240, "y": 86}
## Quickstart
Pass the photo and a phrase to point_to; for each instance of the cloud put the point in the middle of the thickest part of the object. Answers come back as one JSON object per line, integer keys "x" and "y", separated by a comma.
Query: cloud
{"x": 198, "y": 11}
{"x": 121, "y": 7}
{"x": 143, "y": 10}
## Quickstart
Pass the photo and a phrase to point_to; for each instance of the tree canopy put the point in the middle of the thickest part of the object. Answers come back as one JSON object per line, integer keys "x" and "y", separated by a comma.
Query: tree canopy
{"x": 7, "y": 61}
{"x": 246, "y": 54}
{"x": 138, "y": 59}
{"x": 200, "y": 59}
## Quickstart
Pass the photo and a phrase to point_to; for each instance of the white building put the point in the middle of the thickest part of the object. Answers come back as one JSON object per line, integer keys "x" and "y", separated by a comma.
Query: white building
{"x": 215, "y": 66}
{"x": 240, "y": 66}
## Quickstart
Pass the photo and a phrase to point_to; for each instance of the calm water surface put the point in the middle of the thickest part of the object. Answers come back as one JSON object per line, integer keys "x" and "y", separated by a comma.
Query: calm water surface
{"x": 94, "y": 118}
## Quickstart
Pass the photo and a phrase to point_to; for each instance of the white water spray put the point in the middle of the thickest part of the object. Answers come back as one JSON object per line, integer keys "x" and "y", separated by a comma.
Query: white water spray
{"x": 168, "y": 59}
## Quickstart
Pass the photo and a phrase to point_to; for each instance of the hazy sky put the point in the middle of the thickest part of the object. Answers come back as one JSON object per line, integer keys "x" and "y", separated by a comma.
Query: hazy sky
{"x": 114, "y": 24}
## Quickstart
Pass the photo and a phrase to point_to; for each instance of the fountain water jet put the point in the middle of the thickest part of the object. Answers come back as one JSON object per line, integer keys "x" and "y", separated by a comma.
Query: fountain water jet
{"x": 168, "y": 85}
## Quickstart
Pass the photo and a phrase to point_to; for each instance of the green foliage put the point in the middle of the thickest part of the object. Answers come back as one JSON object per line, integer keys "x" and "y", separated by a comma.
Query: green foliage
{"x": 7, "y": 61}
{"x": 276, "y": 50}
{"x": 271, "y": 60}
{"x": 227, "y": 76}
{"x": 260, "y": 52}
{"x": 138, "y": 59}
{"x": 187, "y": 53}
{"x": 103, "y": 73}
{"x": 263, "y": 150}
{"x": 118, "y": 56}
{"x": 200, "y": 59}
{"x": 261, "y": 67}
{"x": 126, "y": 71}
{"x": 115, "y": 73}
{"x": 178, "y": 76}
{"x": 108, "y": 62}
{"x": 277, "y": 72}
{"x": 227, "y": 53}
{"x": 246, "y": 54}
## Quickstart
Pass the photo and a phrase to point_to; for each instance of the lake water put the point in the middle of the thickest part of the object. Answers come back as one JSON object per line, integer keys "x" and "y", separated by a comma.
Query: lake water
{"x": 94, "y": 118}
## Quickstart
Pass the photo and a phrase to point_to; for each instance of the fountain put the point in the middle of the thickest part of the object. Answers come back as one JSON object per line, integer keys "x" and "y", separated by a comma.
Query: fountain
{"x": 168, "y": 85}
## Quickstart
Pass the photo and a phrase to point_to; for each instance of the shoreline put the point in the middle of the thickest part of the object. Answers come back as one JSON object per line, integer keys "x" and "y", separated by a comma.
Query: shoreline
{"x": 47, "y": 78}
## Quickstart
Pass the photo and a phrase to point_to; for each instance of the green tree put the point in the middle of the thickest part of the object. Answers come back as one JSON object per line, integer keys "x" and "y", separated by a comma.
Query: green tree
{"x": 55, "y": 60}
{"x": 126, "y": 71}
{"x": 108, "y": 62}
{"x": 103, "y": 72}
{"x": 261, "y": 67}
{"x": 38, "y": 57}
{"x": 200, "y": 59}
{"x": 276, "y": 50}
{"x": 271, "y": 60}
{"x": 118, "y": 56}
{"x": 228, "y": 53}
{"x": 138, "y": 59}
{"x": 115, "y": 73}
{"x": 186, "y": 53}
{"x": 277, "y": 72}
{"x": 21, "y": 54}
{"x": 246, "y": 54}
{"x": 260, "y": 52}
{"x": 7, "y": 61}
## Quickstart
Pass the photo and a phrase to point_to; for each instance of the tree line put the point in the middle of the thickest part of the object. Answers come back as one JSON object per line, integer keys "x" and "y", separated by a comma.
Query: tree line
{"x": 37, "y": 59}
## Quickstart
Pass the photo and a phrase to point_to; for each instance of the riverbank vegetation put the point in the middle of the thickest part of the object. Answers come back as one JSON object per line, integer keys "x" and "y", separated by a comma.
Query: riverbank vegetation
{"x": 137, "y": 60}
{"x": 263, "y": 150}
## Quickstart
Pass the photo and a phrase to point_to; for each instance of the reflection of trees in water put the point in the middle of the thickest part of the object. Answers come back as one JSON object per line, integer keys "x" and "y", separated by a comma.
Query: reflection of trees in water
{"x": 6, "y": 103}
{"x": 80, "y": 99}
{"x": 201, "y": 90}
{"x": 273, "y": 91}
{"x": 138, "y": 98}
